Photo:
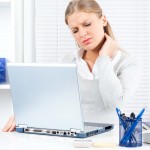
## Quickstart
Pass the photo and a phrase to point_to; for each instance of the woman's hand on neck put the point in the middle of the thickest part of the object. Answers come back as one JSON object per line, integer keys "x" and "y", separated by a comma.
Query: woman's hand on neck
{"x": 109, "y": 47}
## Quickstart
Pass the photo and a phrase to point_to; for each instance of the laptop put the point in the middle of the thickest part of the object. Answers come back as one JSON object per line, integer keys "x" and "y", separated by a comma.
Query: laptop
{"x": 46, "y": 100}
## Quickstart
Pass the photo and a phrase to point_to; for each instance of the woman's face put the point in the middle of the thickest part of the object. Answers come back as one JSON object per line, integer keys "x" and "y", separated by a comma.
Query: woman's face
{"x": 87, "y": 29}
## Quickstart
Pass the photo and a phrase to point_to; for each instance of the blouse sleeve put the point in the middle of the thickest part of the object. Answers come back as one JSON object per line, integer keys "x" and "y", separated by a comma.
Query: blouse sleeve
{"x": 117, "y": 87}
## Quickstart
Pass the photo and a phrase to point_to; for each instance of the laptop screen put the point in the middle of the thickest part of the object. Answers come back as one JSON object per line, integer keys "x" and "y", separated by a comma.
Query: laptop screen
{"x": 46, "y": 95}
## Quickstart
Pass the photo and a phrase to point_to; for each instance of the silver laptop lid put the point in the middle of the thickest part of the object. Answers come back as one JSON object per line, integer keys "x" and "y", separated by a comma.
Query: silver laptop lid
{"x": 46, "y": 95}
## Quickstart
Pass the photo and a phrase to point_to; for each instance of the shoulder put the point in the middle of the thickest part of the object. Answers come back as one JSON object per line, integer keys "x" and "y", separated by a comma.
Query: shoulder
{"x": 127, "y": 63}
{"x": 126, "y": 59}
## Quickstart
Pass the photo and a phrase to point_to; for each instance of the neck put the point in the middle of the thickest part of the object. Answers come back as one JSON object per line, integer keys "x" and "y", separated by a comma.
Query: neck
{"x": 90, "y": 55}
{"x": 99, "y": 46}
{"x": 93, "y": 54}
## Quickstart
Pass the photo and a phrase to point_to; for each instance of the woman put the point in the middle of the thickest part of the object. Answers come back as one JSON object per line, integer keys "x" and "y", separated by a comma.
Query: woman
{"x": 107, "y": 75}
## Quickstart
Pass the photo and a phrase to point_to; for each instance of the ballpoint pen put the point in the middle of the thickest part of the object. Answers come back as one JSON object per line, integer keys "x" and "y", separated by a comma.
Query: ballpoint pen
{"x": 120, "y": 118}
{"x": 129, "y": 132}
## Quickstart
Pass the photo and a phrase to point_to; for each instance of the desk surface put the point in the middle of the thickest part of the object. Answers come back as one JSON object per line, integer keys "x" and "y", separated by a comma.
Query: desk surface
{"x": 14, "y": 140}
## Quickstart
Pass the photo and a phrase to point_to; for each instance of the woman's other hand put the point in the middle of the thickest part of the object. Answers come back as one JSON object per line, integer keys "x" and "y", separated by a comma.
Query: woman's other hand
{"x": 109, "y": 48}
{"x": 10, "y": 125}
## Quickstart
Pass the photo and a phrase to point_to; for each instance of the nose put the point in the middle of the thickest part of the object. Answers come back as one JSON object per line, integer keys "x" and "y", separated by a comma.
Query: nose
{"x": 83, "y": 33}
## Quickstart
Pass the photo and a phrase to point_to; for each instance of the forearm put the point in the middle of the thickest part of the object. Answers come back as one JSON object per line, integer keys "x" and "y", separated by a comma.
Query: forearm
{"x": 116, "y": 88}
{"x": 109, "y": 84}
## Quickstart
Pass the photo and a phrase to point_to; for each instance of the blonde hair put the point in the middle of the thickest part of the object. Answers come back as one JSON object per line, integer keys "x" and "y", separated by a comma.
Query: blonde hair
{"x": 88, "y": 6}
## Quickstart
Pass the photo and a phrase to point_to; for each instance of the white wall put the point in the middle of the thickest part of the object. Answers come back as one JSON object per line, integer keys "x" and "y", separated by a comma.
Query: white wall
{"x": 5, "y": 31}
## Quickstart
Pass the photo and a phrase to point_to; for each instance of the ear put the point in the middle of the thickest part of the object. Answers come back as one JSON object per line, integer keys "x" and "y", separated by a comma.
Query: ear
{"x": 104, "y": 19}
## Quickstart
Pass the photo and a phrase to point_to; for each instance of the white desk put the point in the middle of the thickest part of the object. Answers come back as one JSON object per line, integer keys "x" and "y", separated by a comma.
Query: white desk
{"x": 14, "y": 140}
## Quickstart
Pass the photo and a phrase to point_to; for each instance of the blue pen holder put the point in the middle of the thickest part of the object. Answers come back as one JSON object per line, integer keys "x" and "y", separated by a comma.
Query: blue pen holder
{"x": 135, "y": 138}
{"x": 2, "y": 70}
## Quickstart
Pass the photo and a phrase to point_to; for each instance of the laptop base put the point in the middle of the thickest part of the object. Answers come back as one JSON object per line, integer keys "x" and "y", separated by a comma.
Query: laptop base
{"x": 64, "y": 133}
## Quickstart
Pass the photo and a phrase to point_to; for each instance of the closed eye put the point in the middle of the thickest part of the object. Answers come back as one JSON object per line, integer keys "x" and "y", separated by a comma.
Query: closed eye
{"x": 75, "y": 31}
{"x": 88, "y": 24}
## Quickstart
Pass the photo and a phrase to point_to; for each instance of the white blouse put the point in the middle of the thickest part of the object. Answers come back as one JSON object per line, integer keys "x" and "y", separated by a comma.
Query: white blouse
{"x": 111, "y": 84}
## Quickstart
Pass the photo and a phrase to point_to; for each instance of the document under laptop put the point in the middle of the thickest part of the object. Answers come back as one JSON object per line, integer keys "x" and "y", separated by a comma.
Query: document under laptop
{"x": 46, "y": 100}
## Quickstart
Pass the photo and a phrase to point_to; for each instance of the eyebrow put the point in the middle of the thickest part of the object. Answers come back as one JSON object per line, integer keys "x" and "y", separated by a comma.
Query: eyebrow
{"x": 80, "y": 23}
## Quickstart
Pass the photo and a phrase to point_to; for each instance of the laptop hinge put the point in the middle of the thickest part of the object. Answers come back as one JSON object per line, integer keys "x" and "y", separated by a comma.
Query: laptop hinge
{"x": 75, "y": 130}
{"x": 22, "y": 126}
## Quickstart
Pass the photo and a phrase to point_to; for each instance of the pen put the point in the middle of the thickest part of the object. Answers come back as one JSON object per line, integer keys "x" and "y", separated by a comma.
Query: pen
{"x": 121, "y": 120}
{"x": 129, "y": 132}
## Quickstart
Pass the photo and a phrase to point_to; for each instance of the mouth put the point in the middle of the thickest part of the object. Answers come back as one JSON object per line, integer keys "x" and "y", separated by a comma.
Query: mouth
{"x": 87, "y": 41}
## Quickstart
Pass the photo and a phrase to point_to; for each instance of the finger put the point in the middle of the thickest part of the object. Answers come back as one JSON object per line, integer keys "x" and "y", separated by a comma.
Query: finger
{"x": 107, "y": 36}
{"x": 8, "y": 124}
{"x": 13, "y": 126}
